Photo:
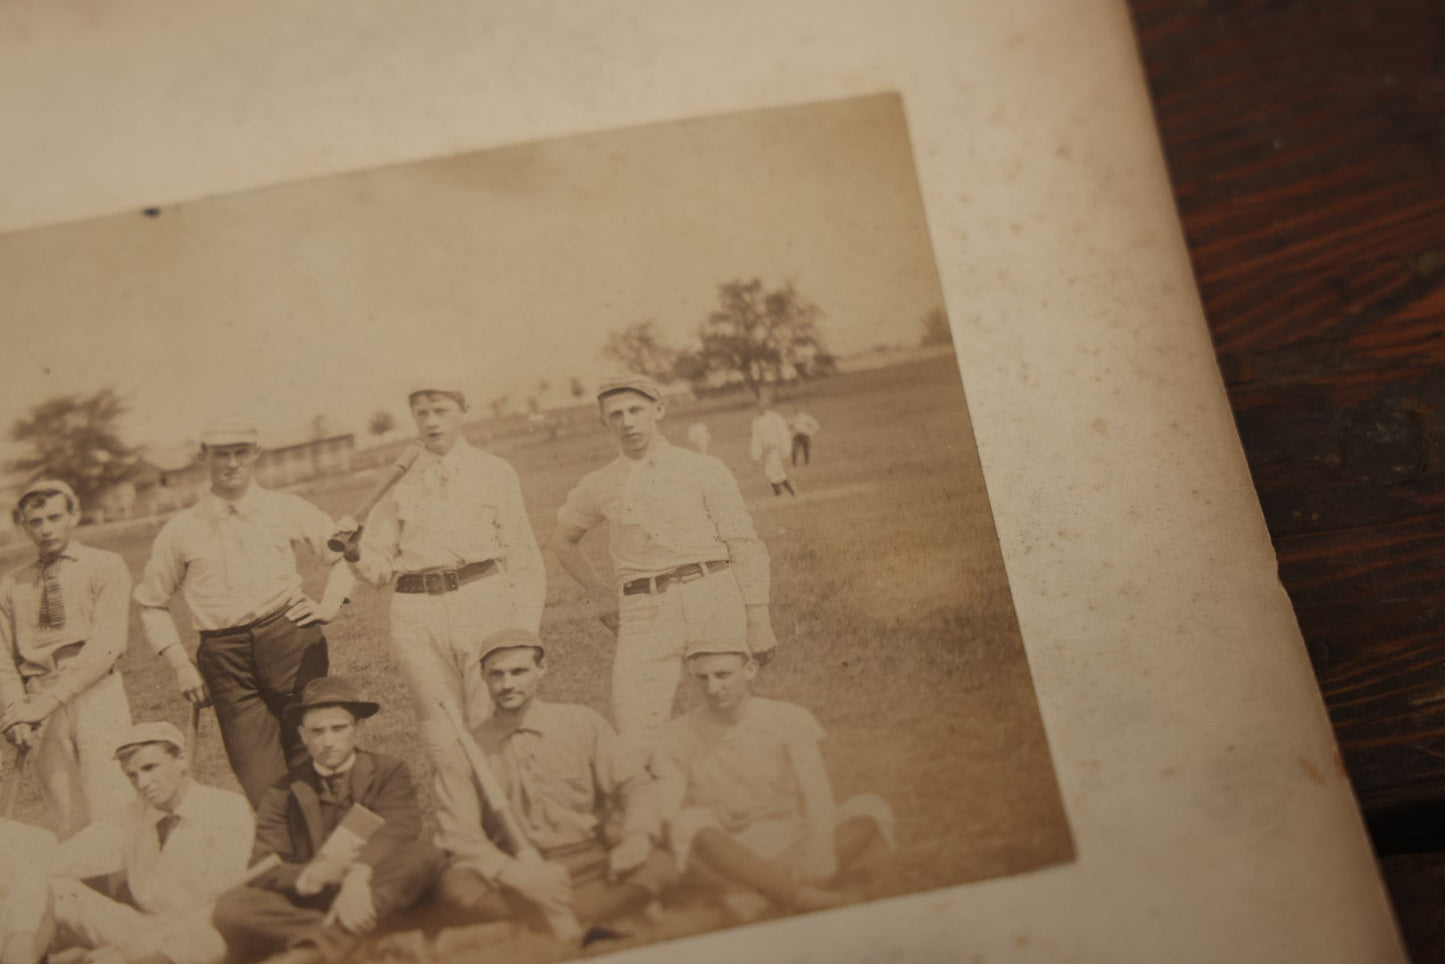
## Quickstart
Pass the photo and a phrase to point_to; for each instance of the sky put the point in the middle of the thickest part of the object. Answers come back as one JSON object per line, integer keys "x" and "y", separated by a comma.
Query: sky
{"x": 501, "y": 268}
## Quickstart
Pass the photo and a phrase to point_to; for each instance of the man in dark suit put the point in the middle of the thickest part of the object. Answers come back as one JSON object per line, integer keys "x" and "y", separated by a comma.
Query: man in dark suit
{"x": 322, "y": 900}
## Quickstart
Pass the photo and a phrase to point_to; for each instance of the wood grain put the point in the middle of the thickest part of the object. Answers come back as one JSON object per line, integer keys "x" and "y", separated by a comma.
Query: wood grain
{"x": 1306, "y": 145}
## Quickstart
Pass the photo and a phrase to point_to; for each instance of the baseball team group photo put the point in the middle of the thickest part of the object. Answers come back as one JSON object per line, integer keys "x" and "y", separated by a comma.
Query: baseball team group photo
{"x": 539, "y": 552}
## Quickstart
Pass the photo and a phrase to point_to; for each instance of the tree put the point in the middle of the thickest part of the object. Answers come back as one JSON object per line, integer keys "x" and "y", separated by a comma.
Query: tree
{"x": 381, "y": 422}
{"x": 578, "y": 390}
{"x": 935, "y": 329}
{"x": 500, "y": 405}
{"x": 639, "y": 348}
{"x": 320, "y": 426}
{"x": 758, "y": 335}
{"x": 74, "y": 438}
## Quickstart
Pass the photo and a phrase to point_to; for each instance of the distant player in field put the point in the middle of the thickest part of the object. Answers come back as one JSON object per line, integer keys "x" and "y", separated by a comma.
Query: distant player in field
{"x": 772, "y": 438}
{"x": 803, "y": 427}
{"x": 746, "y": 796}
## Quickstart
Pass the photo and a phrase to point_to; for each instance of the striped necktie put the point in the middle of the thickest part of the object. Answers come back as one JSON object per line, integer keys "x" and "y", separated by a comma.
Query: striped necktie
{"x": 52, "y": 607}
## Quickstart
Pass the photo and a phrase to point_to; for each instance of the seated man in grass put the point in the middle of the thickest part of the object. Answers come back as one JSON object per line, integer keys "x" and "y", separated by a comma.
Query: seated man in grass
{"x": 747, "y": 799}
{"x": 179, "y": 844}
{"x": 565, "y": 780}
{"x": 26, "y": 926}
{"x": 346, "y": 826}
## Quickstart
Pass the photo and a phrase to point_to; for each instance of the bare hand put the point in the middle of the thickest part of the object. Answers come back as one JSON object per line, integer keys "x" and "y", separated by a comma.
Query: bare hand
{"x": 611, "y": 620}
{"x": 820, "y": 860}
{"x": 192, "y": 687}
{"x": 308, "y": 611}
{"x": 540, "y": 881}
{"x": 347, "y": 524}
{"x": 29, "y": 711}
{"x": 22, "y": 735}
{"x": 628, "y": 855}
{"x": 762, "y": 643}
{"x": 318, "y": 875}
{"x": 354, "y": 908}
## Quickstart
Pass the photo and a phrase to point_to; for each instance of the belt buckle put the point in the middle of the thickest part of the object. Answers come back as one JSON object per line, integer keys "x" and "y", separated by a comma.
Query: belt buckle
{"x": 690, "y": 572}
{"x": 434, "y": 583}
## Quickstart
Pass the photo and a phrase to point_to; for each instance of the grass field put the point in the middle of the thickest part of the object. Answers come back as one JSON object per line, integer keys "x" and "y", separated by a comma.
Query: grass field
{"x": 889, "y": 599}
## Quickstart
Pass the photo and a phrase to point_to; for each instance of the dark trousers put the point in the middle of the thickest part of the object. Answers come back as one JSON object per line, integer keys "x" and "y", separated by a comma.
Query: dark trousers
{"x": 468, "y": 898}
{"x": 258, "y": 923}
{"x": 803, "y": 444}
{"x": 253, "y": 673}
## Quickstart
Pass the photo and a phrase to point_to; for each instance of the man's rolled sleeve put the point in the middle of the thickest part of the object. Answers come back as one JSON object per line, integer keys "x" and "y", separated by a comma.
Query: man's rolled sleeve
{"x": 725, "y": 506}
{"x": 160, "y": 581}
{"x": 580, "y": 510}
{"x": 12, "y": 687}
{"x": 107, "y": 639}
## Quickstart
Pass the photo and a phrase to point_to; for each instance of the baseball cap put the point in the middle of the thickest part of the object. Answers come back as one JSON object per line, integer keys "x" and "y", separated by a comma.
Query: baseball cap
{"x": 630, "y": 383}
{"x": 47, "y": 485}
{"x": 515, "y": 638}
{"x": 155, "y": 732}
{"x": 717, "y": 647}
{"x": 436, "y": 382}
{"x": 230, "y": 429}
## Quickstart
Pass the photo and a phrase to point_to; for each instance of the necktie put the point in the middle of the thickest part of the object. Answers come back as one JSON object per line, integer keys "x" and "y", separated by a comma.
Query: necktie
{"x": 52, "y": 607}
{"x": 164, "y": 826}
{"x": 338, "y": 787}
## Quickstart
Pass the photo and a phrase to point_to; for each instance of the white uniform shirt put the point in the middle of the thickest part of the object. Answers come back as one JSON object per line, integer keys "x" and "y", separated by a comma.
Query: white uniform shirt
{"x": 448, "y": 511}
{"x": 670, "y": 508}
{"x": 770, "y": 432}
{"x": 235, "y": 561}
{"x": 205, "y": 854}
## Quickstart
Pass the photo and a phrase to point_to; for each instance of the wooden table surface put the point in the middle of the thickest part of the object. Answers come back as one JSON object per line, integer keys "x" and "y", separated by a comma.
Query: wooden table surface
{"x": 1306, "y": 145}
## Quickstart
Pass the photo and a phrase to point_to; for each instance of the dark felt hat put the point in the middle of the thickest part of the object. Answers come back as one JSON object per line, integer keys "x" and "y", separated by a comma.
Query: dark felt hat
{"x": 331, "y": 691}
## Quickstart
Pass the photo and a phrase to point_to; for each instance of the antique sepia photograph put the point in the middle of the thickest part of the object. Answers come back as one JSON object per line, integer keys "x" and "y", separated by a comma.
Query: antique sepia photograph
{"x": 547, "y": 550}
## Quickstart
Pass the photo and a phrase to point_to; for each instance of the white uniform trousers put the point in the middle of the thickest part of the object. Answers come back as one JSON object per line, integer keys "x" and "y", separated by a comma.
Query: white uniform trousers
{"x": 76, "y": 756}
{"x": 436, "y": 642}
{"x": 87, "y": 918}
{"x": 655, "y": 631}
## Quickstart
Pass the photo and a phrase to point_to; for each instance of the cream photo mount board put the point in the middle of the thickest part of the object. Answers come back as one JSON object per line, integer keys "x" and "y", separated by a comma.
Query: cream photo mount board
{"x": 1197, "y": 770}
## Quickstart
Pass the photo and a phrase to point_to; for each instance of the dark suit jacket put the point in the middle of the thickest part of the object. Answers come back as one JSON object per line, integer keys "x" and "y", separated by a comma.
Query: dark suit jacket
{"x": 289, "y": 823}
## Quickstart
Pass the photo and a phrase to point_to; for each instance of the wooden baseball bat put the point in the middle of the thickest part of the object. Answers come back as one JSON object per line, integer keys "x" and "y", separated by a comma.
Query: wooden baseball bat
{"x": 349, "y": 543}
{"x": 562, "y": 921}
{"x": 12, "y": 792}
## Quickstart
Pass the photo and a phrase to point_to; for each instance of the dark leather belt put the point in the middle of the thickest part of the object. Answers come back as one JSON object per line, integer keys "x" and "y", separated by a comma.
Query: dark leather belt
{"x": 687, "y": 573}
{"x": 449, "y": 580}
{"x": 244, "y": 627}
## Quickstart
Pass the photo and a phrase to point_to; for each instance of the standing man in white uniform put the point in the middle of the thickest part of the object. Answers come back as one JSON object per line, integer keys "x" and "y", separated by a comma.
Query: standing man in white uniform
{"x": 455, "y": 535}
{"x": 64, "y": 619}
{"x": 233, "y": 556}
{"x": 687, "y": 562}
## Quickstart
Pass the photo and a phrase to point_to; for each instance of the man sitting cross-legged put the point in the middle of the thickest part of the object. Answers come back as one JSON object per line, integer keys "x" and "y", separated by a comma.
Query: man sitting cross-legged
{"x": 565, "y": 779}
{"x": 178, "y": 842}
{"x": 319, "y": 903}
{"x": 745, "y": 794}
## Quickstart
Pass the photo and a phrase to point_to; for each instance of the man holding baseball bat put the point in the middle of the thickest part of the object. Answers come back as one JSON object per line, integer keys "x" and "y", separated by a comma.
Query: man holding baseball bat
{"x": 574, "y": 831}
{"x": 454, "y": 536}
{"x": 346, "y": 826}
{"x": 232, "y": 555}
{"x": 178, "y": 843}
